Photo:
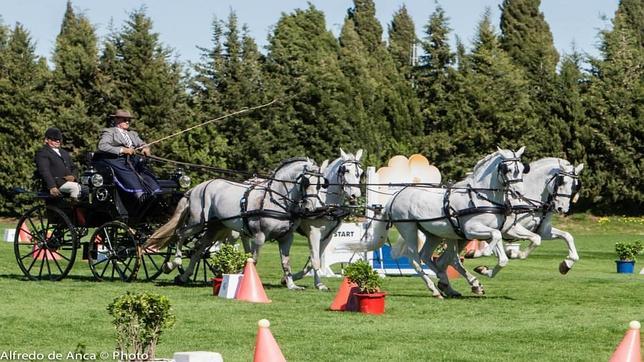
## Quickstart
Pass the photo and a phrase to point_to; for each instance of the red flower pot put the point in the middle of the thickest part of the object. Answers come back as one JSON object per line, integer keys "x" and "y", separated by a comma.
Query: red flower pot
{"x": 216, "y": 285}
{"x": 373, "y": 303}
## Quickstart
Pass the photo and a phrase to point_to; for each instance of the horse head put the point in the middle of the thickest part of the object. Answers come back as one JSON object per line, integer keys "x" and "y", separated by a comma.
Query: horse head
{"x": 312, "y": 185}
{"x": 346, "y": 173}
{"x": 564, "y": 186}
{"x": 502, "y": 170}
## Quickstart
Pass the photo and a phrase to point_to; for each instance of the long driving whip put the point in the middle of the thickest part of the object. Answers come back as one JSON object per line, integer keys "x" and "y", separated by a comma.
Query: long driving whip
{"x": 241, "y": 111}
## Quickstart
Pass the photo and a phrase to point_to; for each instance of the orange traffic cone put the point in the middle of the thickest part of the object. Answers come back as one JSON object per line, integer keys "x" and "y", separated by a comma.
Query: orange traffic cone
{"x": 266, "y": 348}
{"x": 43, "y": 254}
{"x": 629, "y": 349}
{"x": 345, "y": 299}
{"x": 24, "y": 235}
{"x": 251, "y": 288}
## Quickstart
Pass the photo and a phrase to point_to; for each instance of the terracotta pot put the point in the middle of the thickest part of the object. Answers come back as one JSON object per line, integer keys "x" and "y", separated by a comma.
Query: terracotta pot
{"x": 216, "y": 285}
{"x": 372, "y": 303}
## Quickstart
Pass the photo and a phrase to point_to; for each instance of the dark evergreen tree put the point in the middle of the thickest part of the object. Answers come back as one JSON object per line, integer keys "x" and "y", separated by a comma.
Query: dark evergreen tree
{"x": 446, "y": 114}
{"x": 498, "y": 95}
{"x": 526, "y": 37}
{"x": 145, "y": 80}
{"x": 614, "y": 104}
{"x": 387, "y": 97}
{"x": 24, "y": 113}
{"x": 303, "y": 68}
{"x": 75, "y": 88}
{"x": 402, "y": 41}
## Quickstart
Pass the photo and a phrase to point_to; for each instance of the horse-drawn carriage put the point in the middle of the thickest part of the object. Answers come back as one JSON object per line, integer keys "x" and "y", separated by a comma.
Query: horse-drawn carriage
{"x": 48, "y": 236}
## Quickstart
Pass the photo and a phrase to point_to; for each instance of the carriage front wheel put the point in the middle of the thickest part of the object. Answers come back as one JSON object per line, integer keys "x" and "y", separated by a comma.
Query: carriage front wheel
{"x": 45, "y": 243}
{"x": 113, "y": 252}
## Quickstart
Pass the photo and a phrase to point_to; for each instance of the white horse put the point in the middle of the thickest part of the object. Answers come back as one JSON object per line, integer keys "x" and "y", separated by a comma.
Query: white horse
{"x": 551, "y": 186}
{"x": 267, "y": 210}
{"x": 475, "y": 209}
{"x": 344, "y": 180}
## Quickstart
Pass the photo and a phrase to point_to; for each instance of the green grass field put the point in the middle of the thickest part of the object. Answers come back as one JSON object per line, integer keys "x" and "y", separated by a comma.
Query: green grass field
{"x": 530, "y": 311}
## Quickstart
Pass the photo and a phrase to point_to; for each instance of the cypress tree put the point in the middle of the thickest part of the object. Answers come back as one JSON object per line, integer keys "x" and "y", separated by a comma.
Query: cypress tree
{"x": 387, "y": 96}
{"x": 498, "y": 95}
{"x": 614, "y": 106}
{"x": 446, "y": 113}
{"x": 75, "y": 80}
{"x": 304, "y": 71}
{"x": 24, "y": 113}
{"x": 402, "y": 41}
{"x": 145, "y": 80}
{"x": 527, "y": 38}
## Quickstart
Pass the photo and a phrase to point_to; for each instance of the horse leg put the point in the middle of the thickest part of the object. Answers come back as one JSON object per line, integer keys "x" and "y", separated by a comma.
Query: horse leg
{"x": 520, "y": 232}
{"x": 567, "y": 263}
{"x": 171, "y": 265}
{"x": 409, "y": 233}
{"x": 200, "y": 246}
{"x": 496, "y": 244}
{"x": 285, "y": 249}
{"x": 316, "y": 253}
{"x": 441, "y": 264}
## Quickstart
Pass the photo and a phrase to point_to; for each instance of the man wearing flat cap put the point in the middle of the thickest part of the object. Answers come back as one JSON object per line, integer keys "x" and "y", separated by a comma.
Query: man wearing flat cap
{"x": 55, "y": 167}
{"x": 119, "y": 144}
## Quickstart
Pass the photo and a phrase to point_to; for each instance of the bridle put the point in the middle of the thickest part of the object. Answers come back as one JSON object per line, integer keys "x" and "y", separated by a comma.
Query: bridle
{"x": 341, "y": 176}
{"x": 304, "y": 182}
{"x": 558, "y": 180}
{"x": 504, "y": 169}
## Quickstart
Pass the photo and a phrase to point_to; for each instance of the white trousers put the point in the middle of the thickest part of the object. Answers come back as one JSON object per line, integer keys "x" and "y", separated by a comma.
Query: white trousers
{"x": 71, "y": 188}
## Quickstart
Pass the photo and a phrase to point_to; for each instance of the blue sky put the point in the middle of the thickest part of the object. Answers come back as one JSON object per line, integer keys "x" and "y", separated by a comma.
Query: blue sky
{"x": 184, "y": 25}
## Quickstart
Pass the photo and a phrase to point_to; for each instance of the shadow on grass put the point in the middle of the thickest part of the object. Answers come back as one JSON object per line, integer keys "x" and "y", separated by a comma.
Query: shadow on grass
{"x": 22, "y": 277}
{"x": 463, "y": 297}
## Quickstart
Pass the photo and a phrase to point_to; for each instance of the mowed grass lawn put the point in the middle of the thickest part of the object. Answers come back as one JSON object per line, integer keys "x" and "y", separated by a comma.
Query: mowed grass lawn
{"x": 529, "y": 313}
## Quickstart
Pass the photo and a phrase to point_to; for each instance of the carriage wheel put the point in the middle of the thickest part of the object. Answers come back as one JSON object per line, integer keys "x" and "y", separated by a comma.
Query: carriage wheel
{"x": 45, "y": 243}
{"x": 152, "y": 261}
{"x": 113, "y": 252}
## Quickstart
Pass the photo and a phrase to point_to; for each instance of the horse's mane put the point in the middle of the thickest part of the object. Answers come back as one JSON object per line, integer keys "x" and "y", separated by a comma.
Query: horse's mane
{"x": 478, "y": 165}
{"x": 289, "y": 161}
{"x": 543, "y": 162}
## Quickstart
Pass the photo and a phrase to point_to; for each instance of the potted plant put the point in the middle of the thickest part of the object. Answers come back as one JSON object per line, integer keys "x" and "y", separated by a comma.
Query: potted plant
{"x": 627, "y": 255}
{"x": 227, "y": 260}
{"x": 370, "y": 299}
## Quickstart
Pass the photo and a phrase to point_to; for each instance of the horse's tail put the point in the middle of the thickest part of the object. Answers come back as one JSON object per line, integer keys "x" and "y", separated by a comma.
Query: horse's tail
{"x": 161, "y": 238}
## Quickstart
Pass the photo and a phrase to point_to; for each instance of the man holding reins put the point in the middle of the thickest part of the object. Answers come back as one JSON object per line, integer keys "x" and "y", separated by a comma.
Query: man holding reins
{"x": 118, "y": 145}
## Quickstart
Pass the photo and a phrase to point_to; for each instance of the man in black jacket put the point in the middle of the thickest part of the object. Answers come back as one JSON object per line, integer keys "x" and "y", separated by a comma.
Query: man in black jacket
{"x": 55, "y": 167}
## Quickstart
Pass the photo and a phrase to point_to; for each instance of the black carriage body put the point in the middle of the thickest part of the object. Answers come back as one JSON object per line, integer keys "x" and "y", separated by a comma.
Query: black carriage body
{"x": 121, "y": 225}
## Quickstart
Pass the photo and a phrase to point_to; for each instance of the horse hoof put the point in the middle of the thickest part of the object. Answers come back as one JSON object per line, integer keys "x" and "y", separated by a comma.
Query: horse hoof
{"x": 481, "y": 269}
{"x": 469, "y": 254}
{"x": 323, "y": 288}
{"x": 296, "y": 287}
{"x": 178, "y": 280}
{"x": 563, "y": 268}
{"x": 478, "y": 290}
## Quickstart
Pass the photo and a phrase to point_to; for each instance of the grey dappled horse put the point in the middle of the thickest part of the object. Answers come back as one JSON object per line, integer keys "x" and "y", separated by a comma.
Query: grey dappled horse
{"x": 344, "y": 180}
{"x": 269, "y": 209}
{"x": 473, "y": 209}
{"x": 550, "y": 187}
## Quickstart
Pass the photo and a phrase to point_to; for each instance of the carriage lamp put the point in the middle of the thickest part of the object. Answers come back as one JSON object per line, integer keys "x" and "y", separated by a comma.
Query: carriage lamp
{"x": 97, "y": 180}
{"x": 184, "y": 181}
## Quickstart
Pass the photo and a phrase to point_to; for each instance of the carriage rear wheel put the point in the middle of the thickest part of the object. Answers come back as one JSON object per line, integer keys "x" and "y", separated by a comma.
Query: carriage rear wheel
{"x": 113, "y": 252}
{"x": 152, "y": 261}
{"x": 45, "y": 243}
